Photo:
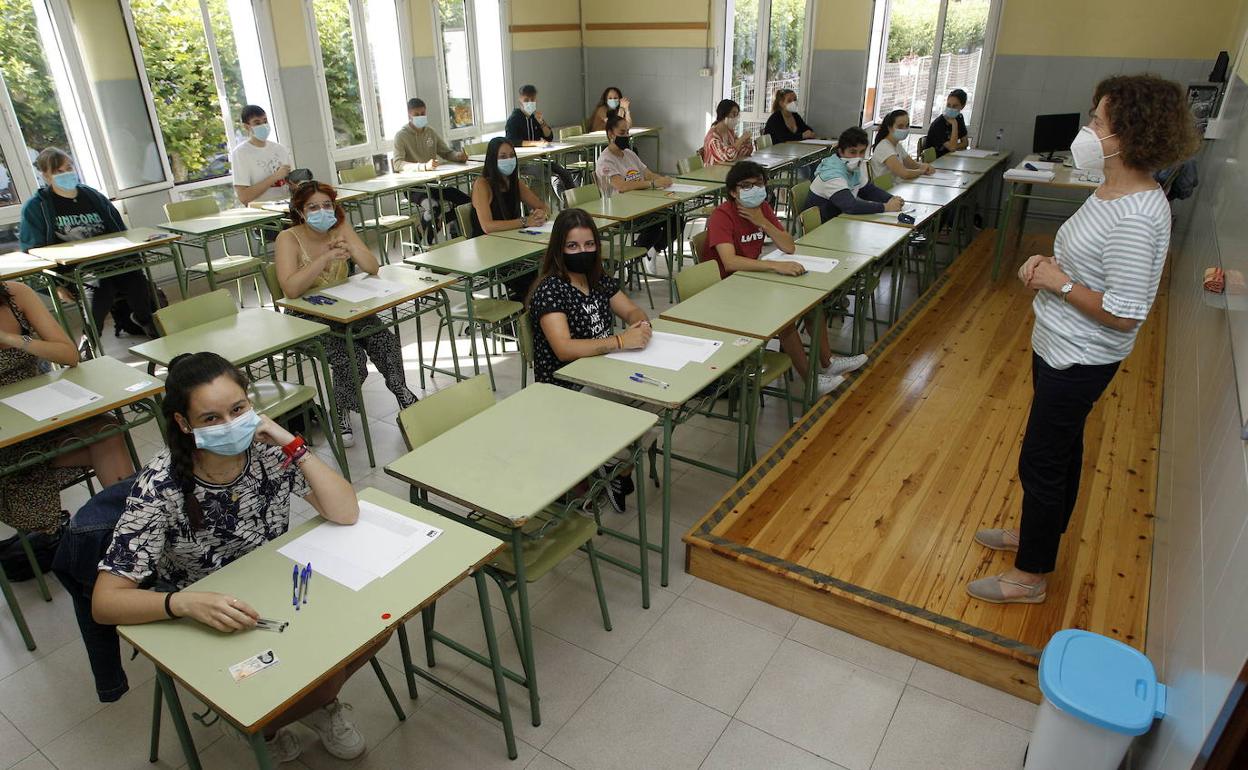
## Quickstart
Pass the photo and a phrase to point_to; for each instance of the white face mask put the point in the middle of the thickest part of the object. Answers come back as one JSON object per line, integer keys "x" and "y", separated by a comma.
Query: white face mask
{"x": 852, "y": 163}
{"x": 1087, "y": 151}
{"x": 528, "y": 107}
{"x": 732, "y": 123}
{"x": 791, "y": 106}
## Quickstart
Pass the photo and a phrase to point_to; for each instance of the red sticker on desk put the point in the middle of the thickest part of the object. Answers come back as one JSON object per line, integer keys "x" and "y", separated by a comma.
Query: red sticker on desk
{"x": 385, "y": 616}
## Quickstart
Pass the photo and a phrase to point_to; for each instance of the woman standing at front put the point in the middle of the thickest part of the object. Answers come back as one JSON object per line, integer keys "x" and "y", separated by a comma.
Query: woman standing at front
{"x": 1090, "y": 299}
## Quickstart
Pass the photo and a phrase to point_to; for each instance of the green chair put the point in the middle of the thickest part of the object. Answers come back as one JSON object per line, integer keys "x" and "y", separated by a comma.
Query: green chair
{"x": 581, "y": 195}
{"x": 775, "y": 363}
{"x": 928, "y": 155}
{"x": 524, "y": 336}
{"x": 810, "y": 219}
{"x": 883, "y": 181}
{"x": 476, "y": 148}
{"x": 549, "y": 539}
{"x": 229, "y": 267}
{"x": 489, "y": 314}
{"x": 385, "y": 226}
{"x": 690, "y": 164}
{"x": 582, "y": 165}
{"x": 763, "y": 142}
{"x": 798, "y": 196}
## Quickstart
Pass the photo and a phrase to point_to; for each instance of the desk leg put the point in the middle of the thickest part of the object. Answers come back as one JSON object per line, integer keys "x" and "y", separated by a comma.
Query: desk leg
{"x": 743, "y": 393}
{"x": 496, "y": 664}
{"x": 178, "y": 716}
{"x": 333, "y": 434}
{"x": 525, "y": 643}
{"x": 665, "y": 537}
{"x": 358, "y": 386}
{"x": 446, "y": 303}
{"x": 1022, "y": 218}
{"x": 1003, "y": 224}
{"x": 263, "y": 760}
{"x": 88, "y": 320}
{"x": 812, "y": 357}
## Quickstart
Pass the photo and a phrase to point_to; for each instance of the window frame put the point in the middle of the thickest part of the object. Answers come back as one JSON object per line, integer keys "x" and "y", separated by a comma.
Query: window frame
{"x": 479, "y": 128}
{"x": 722, "y": 29}
{"x": 375, "y": 142}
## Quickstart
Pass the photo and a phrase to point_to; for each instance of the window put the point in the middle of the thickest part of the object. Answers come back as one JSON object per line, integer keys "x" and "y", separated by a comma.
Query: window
{"x": 474, "y": 66}
{"x": 764, "y": 50}
{"x": 202, "y": 62}
{"x": 906, "y": 35}
{"x": 361, "y": 54}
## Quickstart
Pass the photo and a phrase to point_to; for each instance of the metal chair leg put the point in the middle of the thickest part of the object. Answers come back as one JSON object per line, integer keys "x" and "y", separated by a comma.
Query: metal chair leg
{"x": 385, "y": 685}
{"x": 602, "y": 596}
{"x": 34, "y": 565}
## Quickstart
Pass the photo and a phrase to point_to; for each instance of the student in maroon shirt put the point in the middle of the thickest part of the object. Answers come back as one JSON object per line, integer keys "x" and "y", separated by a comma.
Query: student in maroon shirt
{"x": 735, "y": 239}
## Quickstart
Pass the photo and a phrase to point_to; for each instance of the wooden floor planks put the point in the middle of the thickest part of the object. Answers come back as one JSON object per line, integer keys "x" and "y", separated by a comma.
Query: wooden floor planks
{"x": 877, "y": 498}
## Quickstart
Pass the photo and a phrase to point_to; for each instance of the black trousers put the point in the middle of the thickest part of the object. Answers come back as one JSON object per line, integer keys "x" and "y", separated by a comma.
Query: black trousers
{"x": 452, "y": 198}
{"x": 133, "y": 286}
{"x": 1052, "y": 455}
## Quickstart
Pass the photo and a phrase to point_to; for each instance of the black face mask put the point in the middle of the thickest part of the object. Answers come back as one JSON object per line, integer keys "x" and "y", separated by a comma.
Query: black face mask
{"x": 580, "y": 262}
{"x": 621, "y": 141}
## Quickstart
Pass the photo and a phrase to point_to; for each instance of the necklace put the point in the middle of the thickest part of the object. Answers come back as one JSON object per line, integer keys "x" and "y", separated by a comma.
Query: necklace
{"x": 232, "y": 475}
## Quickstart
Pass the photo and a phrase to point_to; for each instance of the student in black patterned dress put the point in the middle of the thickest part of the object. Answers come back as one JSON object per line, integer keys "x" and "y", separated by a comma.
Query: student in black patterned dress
{"x": 221, "y": 489}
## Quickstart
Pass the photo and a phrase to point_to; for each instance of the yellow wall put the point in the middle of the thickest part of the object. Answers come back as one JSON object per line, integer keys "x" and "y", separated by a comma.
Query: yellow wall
{"x": 842, "y": 25}
{"x": 290, "y": 30}
{"x": 642, "y": 11}
{"x": 545, "y": 12}
{"x": 105, "y": 46}
{"x": 1143, "y": 29}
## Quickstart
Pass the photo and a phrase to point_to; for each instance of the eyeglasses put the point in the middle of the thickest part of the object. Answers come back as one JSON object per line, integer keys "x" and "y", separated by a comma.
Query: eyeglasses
{"x": 326, "y": 206}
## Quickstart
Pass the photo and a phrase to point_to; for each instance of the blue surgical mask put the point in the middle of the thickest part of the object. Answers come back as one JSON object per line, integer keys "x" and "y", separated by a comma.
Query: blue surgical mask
{"x": 952, "y": 113}
{"x": 752, "y": 197}
{"x": 507, "y": 166}
{"x": 260, "y": 131}
{"x": 900, "y": 134}
{"x": 66, "y": 180}
{"x": 322, "y": 221}
{"x": 420, "y": 121}
{"x": 231, "y": 438}
{"x": 613, "y": 104}
{"x": 528, "y": 107}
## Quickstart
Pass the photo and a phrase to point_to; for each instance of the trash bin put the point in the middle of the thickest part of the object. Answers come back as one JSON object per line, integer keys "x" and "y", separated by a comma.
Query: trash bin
{"x": 1098, "y": 695}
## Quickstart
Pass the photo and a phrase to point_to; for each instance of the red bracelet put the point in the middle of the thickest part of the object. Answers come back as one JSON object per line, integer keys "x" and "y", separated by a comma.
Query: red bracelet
{"x": 294, "y": 446}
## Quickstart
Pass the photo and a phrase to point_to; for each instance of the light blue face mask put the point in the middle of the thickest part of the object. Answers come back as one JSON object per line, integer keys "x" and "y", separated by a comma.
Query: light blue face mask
{"x": 613, "y": 104}
{"x": 322, "y": 221}
{"x": 66, "y": 180}
{"x": 952, "y": 113}
{"x": 231, "y": 438}
{"x": 752, "y": 197}
{"x": 900, "y": 134}
{"x": 507, "y": 166}
{"x": 420, "y": 121}
{"x": 528, "y": 107}
{"x": 260, "y": 131}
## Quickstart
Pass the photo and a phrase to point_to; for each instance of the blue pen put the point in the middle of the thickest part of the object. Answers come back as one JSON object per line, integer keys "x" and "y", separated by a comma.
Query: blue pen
{"x": 294, "y": 586}
{"x": 648, "y": 380}
{"x": 307, "y": 581}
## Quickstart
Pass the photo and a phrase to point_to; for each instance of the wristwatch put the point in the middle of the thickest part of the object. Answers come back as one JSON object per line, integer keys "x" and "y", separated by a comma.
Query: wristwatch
{"x": 26, "y": 340}
{"x": 524, "y": 221}
{"x": 1066, "y": 289}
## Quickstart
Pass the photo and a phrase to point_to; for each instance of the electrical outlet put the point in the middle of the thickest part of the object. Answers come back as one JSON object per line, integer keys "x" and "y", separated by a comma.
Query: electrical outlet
{"x": 705, "y": 72}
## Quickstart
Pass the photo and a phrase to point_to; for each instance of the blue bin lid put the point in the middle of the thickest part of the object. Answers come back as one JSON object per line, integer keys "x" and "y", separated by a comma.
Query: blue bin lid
{"x": 1102, "y": 681}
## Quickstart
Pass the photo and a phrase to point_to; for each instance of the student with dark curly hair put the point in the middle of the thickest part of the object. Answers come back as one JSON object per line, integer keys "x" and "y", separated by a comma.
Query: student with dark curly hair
{"x": 1091, "y": 296}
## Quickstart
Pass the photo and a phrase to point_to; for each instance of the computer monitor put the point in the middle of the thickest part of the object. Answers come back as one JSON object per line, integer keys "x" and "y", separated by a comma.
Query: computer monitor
{"x": 1054, "y": 133}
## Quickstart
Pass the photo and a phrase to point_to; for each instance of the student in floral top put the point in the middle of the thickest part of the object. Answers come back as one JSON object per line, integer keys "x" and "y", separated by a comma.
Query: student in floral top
{"x": 722, "y": 145}
{"x": 220, "y": 490}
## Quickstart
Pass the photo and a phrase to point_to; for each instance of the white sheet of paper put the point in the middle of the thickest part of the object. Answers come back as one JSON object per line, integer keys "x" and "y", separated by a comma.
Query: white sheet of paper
{"x": 547, "y": 227}
{"x": 359, "y": 289}
{"x": 1030, "y": 176}
{"x": 680, "y": 187}
{"x": 356, "y": 555}
{"x": 112, "y": 243}
{"x": 52, "y": 399}
{"x": 975, "y": 153}
{"x": 669, "y": 351}
{"x": 811, "y": 263}
{"x": 824, "y": 142}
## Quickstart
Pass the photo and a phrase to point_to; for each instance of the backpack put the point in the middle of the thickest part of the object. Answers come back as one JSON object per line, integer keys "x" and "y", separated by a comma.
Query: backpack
{"x": 13, "y": 556}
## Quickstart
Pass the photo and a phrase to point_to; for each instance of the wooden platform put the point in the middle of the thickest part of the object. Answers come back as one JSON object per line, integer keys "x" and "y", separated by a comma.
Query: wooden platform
{"x": 863, "y": 516}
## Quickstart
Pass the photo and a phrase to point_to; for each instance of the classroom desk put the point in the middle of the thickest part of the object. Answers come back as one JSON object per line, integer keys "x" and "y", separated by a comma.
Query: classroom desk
{"x": 708, "y": 174}
{"x": 105, "y": 256}
{"x": 927, "y": 193}
{"x": 534, "y": 235}
{"x": 598, "y": 139}
{"x": 854, "y": 236}
{"x": 425, "y": 292}
{"x": 760, "y": 309}
{"x": 1064, "y": 178}
{"x": 200, "y": 232}
{"x": 948, "y": 179}
{"x": 687, "y": 395}
{"x": 350, "y": 200}
{"x": 926, "y": 220}
{"x": 956, "y": 162}
{"x": 17, "y": 265}
{"x": 684, "y": 204}
{"x": 922, "y": 213}
{"x": 395, "y": 183}
{"x": 326, "y": 633}
{"x": 483, "y": 263}
{"x": 128, "y": 393}
{"x": 511, "y": 464}
{"x": 255, "y": 334}
{"x": 633, "y": 212}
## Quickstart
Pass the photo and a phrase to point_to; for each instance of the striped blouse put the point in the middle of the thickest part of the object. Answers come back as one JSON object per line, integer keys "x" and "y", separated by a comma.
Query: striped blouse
{"x": 1113, "y": 246}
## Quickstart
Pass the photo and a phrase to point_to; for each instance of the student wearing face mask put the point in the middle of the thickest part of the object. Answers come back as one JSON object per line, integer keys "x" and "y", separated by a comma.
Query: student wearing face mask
{"x": 619, "y": 170}
{"x": 948, "y": 131}
{"x": 736, "y": 232}
{"x": 220, "y": 489}
{"x": 315, "y": 252}
{"x": 419, "y": 147}
{"x": 785, "y": 124}
{"x": 496, "y": 198}
{"x": 64, "y": 210}
{"x": 572, "y": 307}
{"x": 1091, "y": 296}
{"x": 722, "y": 145}
{"x": 527, "y": 127}
{"x": 840, "y": 185}
{"x": 889, "y": 155}
{"x": 259, "y": 166}
{"x": 612, "y": 101}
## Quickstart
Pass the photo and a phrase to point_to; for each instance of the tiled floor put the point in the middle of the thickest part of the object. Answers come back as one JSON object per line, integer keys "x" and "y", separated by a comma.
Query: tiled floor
{"x": 704, "y": 678}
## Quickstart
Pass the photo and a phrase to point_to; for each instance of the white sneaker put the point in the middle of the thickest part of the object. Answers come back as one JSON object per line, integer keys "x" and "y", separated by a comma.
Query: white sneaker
{"x": 344, "y": 427}
{"x": 828, "y": 383}
{"x": 284, "y": 746}
{"x": 846, "y": 365}
{"x": 338, "y": 736}
{"x": 652, "y": 255}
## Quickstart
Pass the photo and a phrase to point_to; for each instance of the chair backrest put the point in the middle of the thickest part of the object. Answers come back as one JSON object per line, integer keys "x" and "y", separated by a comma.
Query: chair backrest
{"x": 686, "y": 165}
{"x": 694, "y": 279}
{"x": 810, "y": 219}
{"x": 567, "y": 131}
{"x": 763, "y": 142}
{"x": 801, "y": 191}
{"x": 269, "y": 271}
{"x": 524, "y": 336}
{"x": 189, "y": 209}
{"x": 476, "y": 148}
{"x": 928, "y": 155}
{"x": 883, "y": 181}
{"x": 195, "y": 311}
{"x": 583, "y": 194}
{"x": 463, "y": 215}
{"x": 357, "y": 173}
{"x": 434, "y": 415}
{"x": 696, "y": 244}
